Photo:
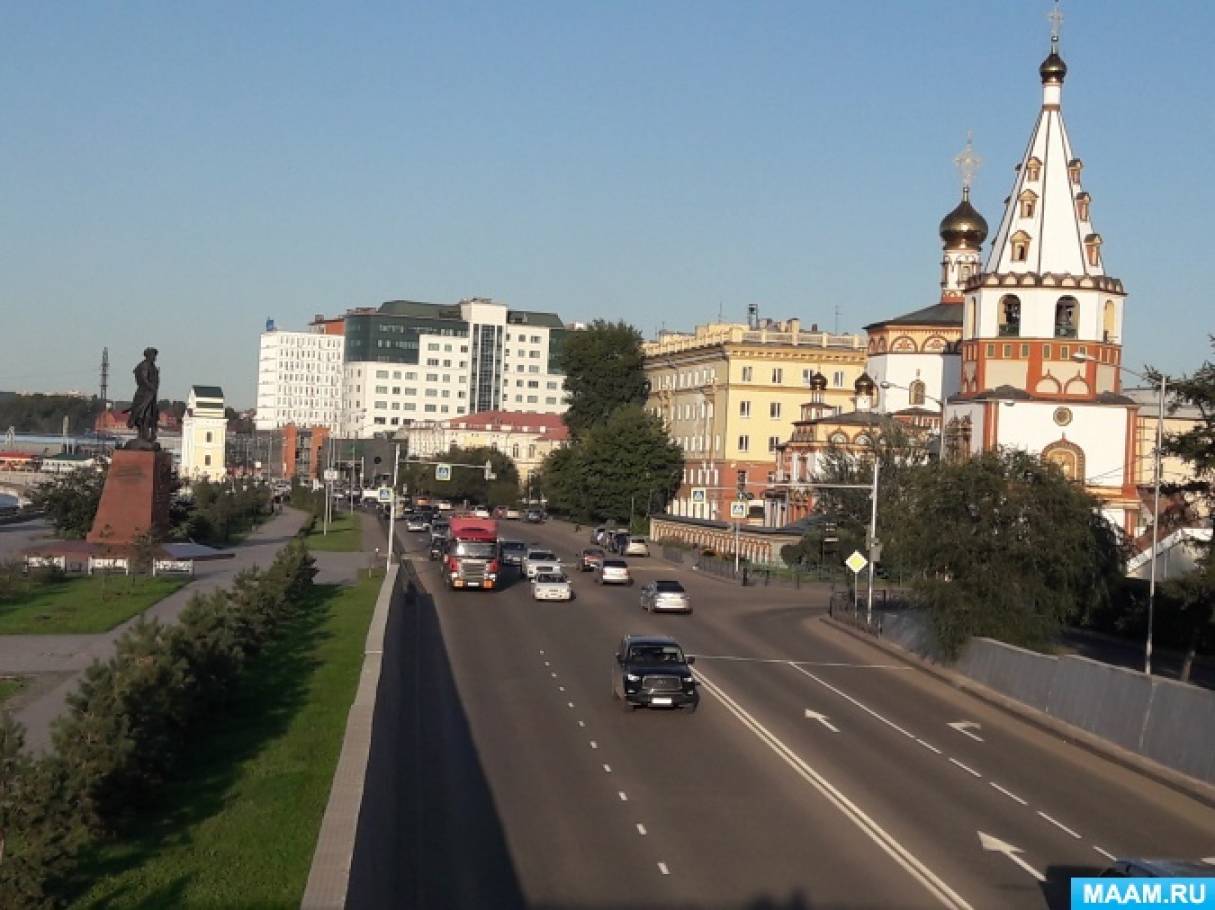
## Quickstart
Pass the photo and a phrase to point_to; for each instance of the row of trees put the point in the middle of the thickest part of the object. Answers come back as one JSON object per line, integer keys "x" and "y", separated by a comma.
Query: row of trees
{"x": 129, "y": 723}
{"x": 620, "y": 463}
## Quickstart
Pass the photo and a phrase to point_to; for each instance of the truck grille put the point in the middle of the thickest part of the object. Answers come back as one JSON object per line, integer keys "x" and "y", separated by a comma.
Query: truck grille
{"x": 472, "y": 571}
{"x": 662, "y": 684}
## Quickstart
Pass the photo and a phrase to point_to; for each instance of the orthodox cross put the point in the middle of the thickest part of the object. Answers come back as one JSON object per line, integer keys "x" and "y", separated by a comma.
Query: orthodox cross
{"x": 968, "y": 163}
{"x": 1056, "y": 23}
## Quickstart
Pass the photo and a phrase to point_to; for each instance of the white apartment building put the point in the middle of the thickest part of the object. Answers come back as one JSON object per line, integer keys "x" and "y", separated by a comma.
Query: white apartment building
{"x": 408, "y": 361}
{"x": 299, "y": 379}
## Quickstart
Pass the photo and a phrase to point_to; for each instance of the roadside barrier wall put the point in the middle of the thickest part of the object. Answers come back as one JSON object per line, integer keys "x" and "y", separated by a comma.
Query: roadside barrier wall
{"x": 1167, "y": 721}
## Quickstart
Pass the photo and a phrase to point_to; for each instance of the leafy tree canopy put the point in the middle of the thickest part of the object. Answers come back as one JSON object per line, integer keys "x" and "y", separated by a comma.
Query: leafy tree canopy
{"x": 43, "y": 414}
{"x": 466, "y": 483}
{"x": 70, "y": 501}
{"x": 603, "y": 368}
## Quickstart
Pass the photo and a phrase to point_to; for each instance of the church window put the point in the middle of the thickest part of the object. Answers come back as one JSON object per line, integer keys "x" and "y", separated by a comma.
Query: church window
{"x": 1073, "y": 170}
{"x": 864, "y": 440}
{"x": 1065, "y": 318}
{"x": 1010, "y": 315}
{"x": 917, "y": 393}
{"x": 838, "y": 439}
{"x": 1024, "y": 350}
{"x": 1020, "y": 246}
{"x": 1065, "y": 353}
{"x": 1108, "y": 317}
{"x": 1046, "y": 352}
{"x": 991, "y": 350}
{"x": 1067, "y": 457}
{"x": 1007, "y": 351}
{"x": 1029, "y": 203}
{"x": 1033, "y": 169}
{"x": 1082, "y": 206}
{"x": 1092, "y": 248}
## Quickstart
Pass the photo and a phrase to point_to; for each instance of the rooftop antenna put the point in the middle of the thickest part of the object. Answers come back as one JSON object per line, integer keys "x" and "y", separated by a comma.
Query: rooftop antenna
{"x": 836, "y": 330}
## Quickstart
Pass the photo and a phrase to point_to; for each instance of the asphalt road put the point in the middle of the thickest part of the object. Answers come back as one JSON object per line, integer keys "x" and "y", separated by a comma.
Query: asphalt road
{"x": 817, "y": 772}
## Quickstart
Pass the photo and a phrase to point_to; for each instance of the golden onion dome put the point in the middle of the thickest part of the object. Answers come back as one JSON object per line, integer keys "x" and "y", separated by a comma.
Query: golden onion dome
{"x": 964, "y": 226}
{"x": 817, "y": 381}
{"x": 1053, "y": 69}
{"x": 864, "y": 385}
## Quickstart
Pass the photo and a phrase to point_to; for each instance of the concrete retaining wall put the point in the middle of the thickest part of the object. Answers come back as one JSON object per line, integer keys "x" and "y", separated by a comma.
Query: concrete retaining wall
{"x": 1169, "y": 722}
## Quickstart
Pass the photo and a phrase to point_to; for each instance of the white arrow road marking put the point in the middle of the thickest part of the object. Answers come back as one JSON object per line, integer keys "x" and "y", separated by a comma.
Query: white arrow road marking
{"x": 995, "y": 845}
{"x": 964, "y": 727}
{"x": 1209, "y": 860}
{"x": 822, "y": 719}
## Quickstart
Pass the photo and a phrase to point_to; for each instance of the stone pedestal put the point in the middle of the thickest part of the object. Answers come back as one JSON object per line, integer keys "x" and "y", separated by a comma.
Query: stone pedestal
{"x": 135, "y": 499}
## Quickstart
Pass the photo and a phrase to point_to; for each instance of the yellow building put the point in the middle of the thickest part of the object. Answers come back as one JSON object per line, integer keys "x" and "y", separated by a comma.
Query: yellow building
{"x": 729, "y": 394}
{"x": 204, "y": 435}
{"x": 525, "y": 438}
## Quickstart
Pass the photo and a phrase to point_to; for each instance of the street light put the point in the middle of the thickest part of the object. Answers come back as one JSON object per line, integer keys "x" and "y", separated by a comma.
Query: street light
{"x": 1156, "y": 470}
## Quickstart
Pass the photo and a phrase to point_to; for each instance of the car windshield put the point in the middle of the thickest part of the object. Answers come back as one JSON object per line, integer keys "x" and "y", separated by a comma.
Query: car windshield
{"x": 615, "y": 564}
{"x": 540, "y": 554}
{"x": 636, "y": 540}
{"x": 595, "y": 551}
{"x": 668, "y": 587}
{"x": 514, "y": 546}
{"x": 475, "y": 549}
{"x": 550, "y": 578}
{"x": 656, "y": 654}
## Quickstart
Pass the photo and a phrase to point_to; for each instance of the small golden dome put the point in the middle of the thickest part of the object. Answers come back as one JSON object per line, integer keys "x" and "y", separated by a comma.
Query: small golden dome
{"x": 1053, "y": 69}
{"x": 964, "y": 226}
{"x": 817, "y": 382}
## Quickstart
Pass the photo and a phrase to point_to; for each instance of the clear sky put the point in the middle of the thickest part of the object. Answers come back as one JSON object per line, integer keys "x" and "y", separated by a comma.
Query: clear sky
{"x": 174, "y": 173}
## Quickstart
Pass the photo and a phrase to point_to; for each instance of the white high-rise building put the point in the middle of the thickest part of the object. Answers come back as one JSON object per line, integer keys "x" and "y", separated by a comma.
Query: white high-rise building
{"x": 408, "y": 361}
{"x": 299, "y": 379}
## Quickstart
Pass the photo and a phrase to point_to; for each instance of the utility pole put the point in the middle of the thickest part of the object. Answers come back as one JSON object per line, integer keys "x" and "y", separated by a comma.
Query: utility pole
{"x": 392, "y": 520}
{"x": 873, "y": 541}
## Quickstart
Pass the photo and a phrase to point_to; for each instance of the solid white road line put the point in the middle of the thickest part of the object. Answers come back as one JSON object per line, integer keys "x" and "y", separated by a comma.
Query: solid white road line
{"x": 641, "y": 829}
{"x": 624, "y": 797}
{"x": 1009, "y": 794}
{"x": 803, "y": 663}
{"x": 965, "y": 768}
{"x": 1108, "y": 855}
{"x": 845, "y": 695}
{"x": 895, "y": 850}
{"x": 929, "y": 746}
{"x": 1059, "y": 825}
{"x": 662, "y": 867}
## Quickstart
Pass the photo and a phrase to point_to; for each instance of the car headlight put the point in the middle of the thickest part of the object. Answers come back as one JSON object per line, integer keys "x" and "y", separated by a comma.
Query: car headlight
{"x": 632, "y": 677}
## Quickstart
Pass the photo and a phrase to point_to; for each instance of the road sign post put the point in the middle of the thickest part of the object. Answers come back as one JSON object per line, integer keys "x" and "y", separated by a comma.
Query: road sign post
{"x": 442, "y": 471}
{"x": 856, "y": 563}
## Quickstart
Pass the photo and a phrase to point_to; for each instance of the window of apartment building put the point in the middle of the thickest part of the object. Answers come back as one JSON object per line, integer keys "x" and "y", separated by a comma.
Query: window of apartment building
{"x": 535, "y": 339}
{"x": 396, "y": 405}
{"x": 432, "y": 346}
{"x": 447, "y": 363}
{"x": 744, "y": 443}
{"x": 396, "y": 374}
{"x": 396, "y": 390}
{"x": 533, "y": 383}
{"x": 432, "y": 377}
{"x": 518, "y": 398}
{"x": 460, "y": 393}
{"x": 773, "y": 442}
{"x": 432, "y": 361}
{"x": 463, "y": 364}
{"x": 411, "y": 375}
{"x": 432, "y": 393}
{"x": 774, "y": 409}
{"x": 531, "y": 399}
{"x": 396, "y": 421}
{"x": 744, "y": 409}
{"x": 447, "y": 347}
{"x": 381, "y": 405}
{"x": 778, "y": 375}
{"x": 746, "y": 374}
{"x": 519, "y": 368}
{"x": 446, "y": 393}
{"x": 443, "y": 409}
{"x": 409, "y": 390}
{"x": 410, "y": 406}
{"x": 837, "y": 379}
{"x": 533, "y": 369}
{"x": 381, "y": 374}
{"x": 550, "y": 401}
{"x": 379, "y": 420}
{"x": 207, "y": 460}
{"x": 550, "y": 385}
{"x": 535, "y": 355}
{"x": 430, "y": 409}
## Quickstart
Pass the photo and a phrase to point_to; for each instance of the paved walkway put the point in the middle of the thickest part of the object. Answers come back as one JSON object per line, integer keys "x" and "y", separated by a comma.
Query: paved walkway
{"x": 53, "y": 662}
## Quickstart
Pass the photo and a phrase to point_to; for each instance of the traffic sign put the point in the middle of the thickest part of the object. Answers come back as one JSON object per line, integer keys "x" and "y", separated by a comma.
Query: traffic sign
{"x": 442, "y": 471}
{"x": 699, "y": 494}
{"x": 856, "y": 562}
{"x": 385, "y": 494}
{"x": 331, "y": 474}
{"x": 738, "y": 510}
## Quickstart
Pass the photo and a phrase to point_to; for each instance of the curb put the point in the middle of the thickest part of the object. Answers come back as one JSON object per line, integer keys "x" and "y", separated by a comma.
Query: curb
{"x": 329, "y": 875}
{"x": 1161, "y": 774}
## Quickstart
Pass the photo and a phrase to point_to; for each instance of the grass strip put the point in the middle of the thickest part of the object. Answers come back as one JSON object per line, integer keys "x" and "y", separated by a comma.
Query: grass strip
{"x": 10, "y": 687}
{"x": 238, "y": 827}
{"x": 83, "y": 606}
{"x": 345, "y": 535}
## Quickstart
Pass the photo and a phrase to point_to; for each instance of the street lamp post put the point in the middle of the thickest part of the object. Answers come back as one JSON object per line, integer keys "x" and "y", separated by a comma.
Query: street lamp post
{"x": 1156, "y": 471}
{"x": 392, "y": 508}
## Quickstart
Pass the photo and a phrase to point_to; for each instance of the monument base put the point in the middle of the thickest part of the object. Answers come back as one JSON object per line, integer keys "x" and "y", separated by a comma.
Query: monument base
{"x": 135, "y": 499}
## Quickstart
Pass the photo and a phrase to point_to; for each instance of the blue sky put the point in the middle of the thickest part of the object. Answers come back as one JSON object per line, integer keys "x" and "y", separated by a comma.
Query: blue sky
{"x": 174, "y": 174}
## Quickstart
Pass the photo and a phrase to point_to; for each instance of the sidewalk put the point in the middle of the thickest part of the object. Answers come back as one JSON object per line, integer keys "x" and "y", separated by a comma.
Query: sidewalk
{"x": 53, "y": 662}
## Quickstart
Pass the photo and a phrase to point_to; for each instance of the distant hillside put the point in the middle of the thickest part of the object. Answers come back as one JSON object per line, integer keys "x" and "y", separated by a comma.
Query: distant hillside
{"x": 43, "y": 414}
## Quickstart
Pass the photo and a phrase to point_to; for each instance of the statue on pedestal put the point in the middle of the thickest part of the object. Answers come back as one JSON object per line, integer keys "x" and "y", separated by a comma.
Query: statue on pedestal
{"x": 144, "y": 414}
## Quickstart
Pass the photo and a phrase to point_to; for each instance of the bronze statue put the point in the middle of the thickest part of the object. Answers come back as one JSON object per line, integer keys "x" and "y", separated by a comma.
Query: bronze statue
{"x": 144, "y": 413}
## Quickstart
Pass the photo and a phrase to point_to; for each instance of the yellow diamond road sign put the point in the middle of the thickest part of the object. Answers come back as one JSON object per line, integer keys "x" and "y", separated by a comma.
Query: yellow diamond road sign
{"x": 856, "y": 562}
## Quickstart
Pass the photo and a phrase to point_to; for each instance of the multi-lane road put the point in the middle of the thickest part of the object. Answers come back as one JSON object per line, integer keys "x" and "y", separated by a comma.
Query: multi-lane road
{"x": 818, "y": 771}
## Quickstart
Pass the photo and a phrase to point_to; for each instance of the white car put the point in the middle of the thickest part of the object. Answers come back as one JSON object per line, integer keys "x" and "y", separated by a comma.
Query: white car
{"x": 636, "y": 547}
{"x": 613, "y": 572}
{"x": 512, "y": 514}
{"x": 551, "y": 586}
{"x": 480, "y": 513}
{"x": 535, "y": 558}
{"x": 416, "y": 523}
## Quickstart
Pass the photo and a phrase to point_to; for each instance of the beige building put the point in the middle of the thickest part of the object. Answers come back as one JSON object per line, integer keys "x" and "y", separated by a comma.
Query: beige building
{"x": 729, "y": 394}
{"x": 204, "y": 432}
{"x": 525, "y": 438}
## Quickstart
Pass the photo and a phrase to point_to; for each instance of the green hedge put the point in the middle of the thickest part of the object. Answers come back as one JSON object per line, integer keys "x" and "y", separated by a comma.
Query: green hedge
{"x": 128, "y": 724}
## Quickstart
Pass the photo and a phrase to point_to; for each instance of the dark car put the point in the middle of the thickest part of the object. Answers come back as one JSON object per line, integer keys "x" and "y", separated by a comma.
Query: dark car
{"x": 535, "y": 516}
{"x": 1159, "y": 868}
{"x": 652, "y": 671}
{"x": 513, "y": 552}
{"x": 589, "y": 558}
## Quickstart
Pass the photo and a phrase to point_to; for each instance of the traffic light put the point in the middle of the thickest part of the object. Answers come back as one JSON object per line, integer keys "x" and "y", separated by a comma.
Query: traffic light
{"x": 489, "y": 470}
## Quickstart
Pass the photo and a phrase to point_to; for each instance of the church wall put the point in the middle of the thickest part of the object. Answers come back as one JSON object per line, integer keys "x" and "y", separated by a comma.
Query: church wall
{"x": 1099, "y": 431}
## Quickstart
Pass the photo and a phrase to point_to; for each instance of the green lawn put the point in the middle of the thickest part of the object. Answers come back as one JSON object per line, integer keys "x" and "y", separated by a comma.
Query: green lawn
{"x": 83, "y": 605}
{"x": 10, "y": 687}
{"x": 239, "y": 825}
{"x": 345, "y": 534}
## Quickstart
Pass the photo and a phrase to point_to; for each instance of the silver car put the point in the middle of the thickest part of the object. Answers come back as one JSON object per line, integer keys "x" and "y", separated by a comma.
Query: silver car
{"x": 535, "y": 557}
{"x": 551, "y": 586}
{"x": 613, "y": 572}
{"x": 665, "y": 597}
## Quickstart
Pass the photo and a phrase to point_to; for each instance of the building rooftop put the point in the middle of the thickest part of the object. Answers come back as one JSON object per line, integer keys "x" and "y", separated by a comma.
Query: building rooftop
{"x": 938, "y": 314}
{"x": 207, "y": 391}
{"x": 550, "y": 425}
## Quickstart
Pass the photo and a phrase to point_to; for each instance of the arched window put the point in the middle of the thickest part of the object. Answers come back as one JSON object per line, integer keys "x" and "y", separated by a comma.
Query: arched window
{"x": 1033, "y": 169}
{"x": 838, "y": 439}
{"x": 864, "y": 440}
{"x": 1082, "y": 206}
{"x": 1073, "y": 170}
{"x": 1029, "y": 203}
{"x": 917, "y": 392}
{"x": 1020, "y": 246}
{"x": 1067, "y": 456}
{"x": 1065, "y": 317}
{"x": 1108, "y": 317}
{"x": 1009, "y": 315}
{"x": 1092, "y": 248}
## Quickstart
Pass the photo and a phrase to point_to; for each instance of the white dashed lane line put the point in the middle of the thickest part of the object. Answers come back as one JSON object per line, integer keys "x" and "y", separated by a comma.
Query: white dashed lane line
{"x": 594, "y": 745}
{"x": 662, "y": 867}
{"x": 966, "y": 768}
{"x": 641, "y": 829}
{"x": 582, "y": 723}
{"x": 1059, "y": 825}
{"x": 607, "y": 768}
{"x": 1106, "y": 854}
{"x": 929, "y": 746}
{"x": 570, "y": 703}
{"x": 1009, "y": 794}
{"x": 624, "y": 797}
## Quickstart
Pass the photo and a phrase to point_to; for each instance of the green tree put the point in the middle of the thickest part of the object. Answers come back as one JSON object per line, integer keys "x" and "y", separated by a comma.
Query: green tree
{"x": 626, "y": 463}
{"x": 1004, "y": 546}
{"x": 71, "y": 500}
{"x": 466, "y": 483}
{"x": 604, "y": 369}
{"x": 559, "y": 480}
{"x": 44, "y": 413}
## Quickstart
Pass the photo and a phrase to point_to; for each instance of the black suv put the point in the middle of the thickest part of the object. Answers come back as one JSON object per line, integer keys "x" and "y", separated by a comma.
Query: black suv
{"x": 652, "y": 671}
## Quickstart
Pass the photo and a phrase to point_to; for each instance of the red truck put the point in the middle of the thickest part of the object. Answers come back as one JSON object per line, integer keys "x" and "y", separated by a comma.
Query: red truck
{"x": 472, "y": 559}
